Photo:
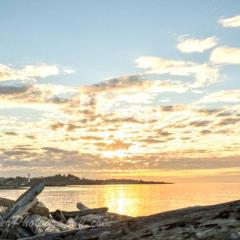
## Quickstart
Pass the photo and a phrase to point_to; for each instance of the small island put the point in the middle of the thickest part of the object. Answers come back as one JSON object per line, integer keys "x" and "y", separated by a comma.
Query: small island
{"x": 66, "y": 180}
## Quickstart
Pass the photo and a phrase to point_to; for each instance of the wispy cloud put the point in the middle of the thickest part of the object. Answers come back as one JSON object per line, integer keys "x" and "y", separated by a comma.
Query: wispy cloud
{"x": 160, "y": 65}
{"x": 231, "y": 22}
{"x": 135, "y": 83}
{"x": 225, "y": 55}
{"x": 227, "y": 96}
{"x": 189, "y": 45}
{"x": 68, "y": 70}
{"x": 202, "y": 74}
{"x": 31, "y": 72}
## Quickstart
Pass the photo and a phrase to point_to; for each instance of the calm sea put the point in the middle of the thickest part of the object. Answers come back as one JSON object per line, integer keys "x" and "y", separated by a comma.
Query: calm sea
{"x": 135, "y": 200}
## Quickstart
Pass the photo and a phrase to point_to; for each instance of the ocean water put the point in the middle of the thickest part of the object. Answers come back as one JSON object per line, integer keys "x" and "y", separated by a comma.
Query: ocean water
{"x": 135, "y": 200}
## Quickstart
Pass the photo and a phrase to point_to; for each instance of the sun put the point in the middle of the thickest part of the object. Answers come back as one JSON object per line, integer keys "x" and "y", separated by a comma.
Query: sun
{"x": 120, "y": 153}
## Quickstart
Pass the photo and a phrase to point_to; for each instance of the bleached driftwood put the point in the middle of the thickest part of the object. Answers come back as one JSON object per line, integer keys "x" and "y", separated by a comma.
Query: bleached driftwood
{"x": 38, "y": 224}
{"x": 84, "y": 210}
{"x": 61, "y": 226}
{"x": 25, "y": 199}
{"x": 39, "y": 208}
{"x": 92, "y": 220}
{"x": 73, "y": 214}
{"x": 12, "y": 218}
{"x": 93, "y": 211}
{"x": 217, "y": 222}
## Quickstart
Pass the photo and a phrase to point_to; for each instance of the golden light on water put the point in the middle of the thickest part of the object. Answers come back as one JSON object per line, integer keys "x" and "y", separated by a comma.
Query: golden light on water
{"x": 123, "y": 200}
{"x": 135, "y": 200}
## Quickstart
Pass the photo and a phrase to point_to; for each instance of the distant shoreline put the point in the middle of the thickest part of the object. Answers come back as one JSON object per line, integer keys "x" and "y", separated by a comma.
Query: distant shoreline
{"x": 72, "y": 185}
{"x": 68, "y": 180}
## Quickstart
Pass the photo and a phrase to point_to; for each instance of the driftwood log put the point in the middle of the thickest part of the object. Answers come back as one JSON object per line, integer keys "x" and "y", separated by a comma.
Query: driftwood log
{"x": 39, "y": 208}
{"x": 84, "y": 210}
{"x": 81, "y": 206}
{"x": 216, "y": 222}
{"x": 11, "y": 219}
{"x": 25, "y": 199}
{"x": 72, "y": 214}
{"x": 38, "y": 224}
{"x": 92, "y": 211}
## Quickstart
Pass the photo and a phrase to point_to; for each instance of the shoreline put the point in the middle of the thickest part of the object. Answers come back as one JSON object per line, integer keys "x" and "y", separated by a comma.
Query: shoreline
{"x": 73, "y": 185}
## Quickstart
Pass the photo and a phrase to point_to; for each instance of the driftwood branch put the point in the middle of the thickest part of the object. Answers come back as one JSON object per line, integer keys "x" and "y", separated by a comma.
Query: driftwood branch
{"x": 12, "y": 218}
{"x": 39, "y": 208}
{"x": 25, "y": 199}
{"x": 92, "y": 211}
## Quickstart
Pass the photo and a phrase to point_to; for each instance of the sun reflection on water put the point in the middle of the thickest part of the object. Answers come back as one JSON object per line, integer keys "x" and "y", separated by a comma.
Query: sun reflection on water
{"x": 134, "y": 200}
{"x": 123, "y": 200}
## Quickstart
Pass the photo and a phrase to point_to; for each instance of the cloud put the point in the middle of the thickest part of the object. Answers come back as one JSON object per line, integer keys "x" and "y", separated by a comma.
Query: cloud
{"x": 68, "y": 70}
{"x": 135, "y": 83}
{"x": 225, "y": 55}
{"x": 225, "y": 96}
{"x": 62, "y": 94}
{"x": 31, "y": 72}
{"x": 201, "y": 74}
{"x": 41, "y": 71}
{"x": 153, "y": 137}
{"x": 15, "y": 86}
{"x": 159, "y": 65}
{"x": 231, "y": 22}
{"x": 196, "y": 45}
{"x": 121, "y": 121}
{"x": 201, "y": 123}
{"x": 28, "y": 72}
{"x": 11, "y": 133}
{"x": 229, "y": 121}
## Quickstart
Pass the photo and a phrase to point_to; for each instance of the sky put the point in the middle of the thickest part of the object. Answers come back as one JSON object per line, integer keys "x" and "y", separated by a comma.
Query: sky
{"x": 120, "y": 89}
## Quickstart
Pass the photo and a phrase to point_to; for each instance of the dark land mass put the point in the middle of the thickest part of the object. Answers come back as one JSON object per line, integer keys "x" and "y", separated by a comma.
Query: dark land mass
{"x": 66, "y": 180}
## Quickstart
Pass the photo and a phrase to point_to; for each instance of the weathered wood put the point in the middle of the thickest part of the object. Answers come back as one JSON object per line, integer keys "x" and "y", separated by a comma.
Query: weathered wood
{"x": 92, "y": 211}
{"x": 20, "y": 232}
{"x": 12, "y": 217}
{"x": 81, "y": 206}
{"x": 54, "y": 236}
{"x": 11, "y": 228}
{"x": 73, "y": 214}
{"x": 39, "y": 208}
{"x": 24, "y": 209}
{"x": 59, "y": 216}
{"x": 190, "y": 223}
{"x": 24, "y": 199}
{"x": 92, "y": 220}
{"x": 3, "y": 209}
{"x": 69, "y": 214}
{"x": 72, "y": 223}
{"x": 84, "y": 210}
{"x": 61, "y": 226}
{"x": 217, "y": 222}
{"x": 38, "y": 224}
